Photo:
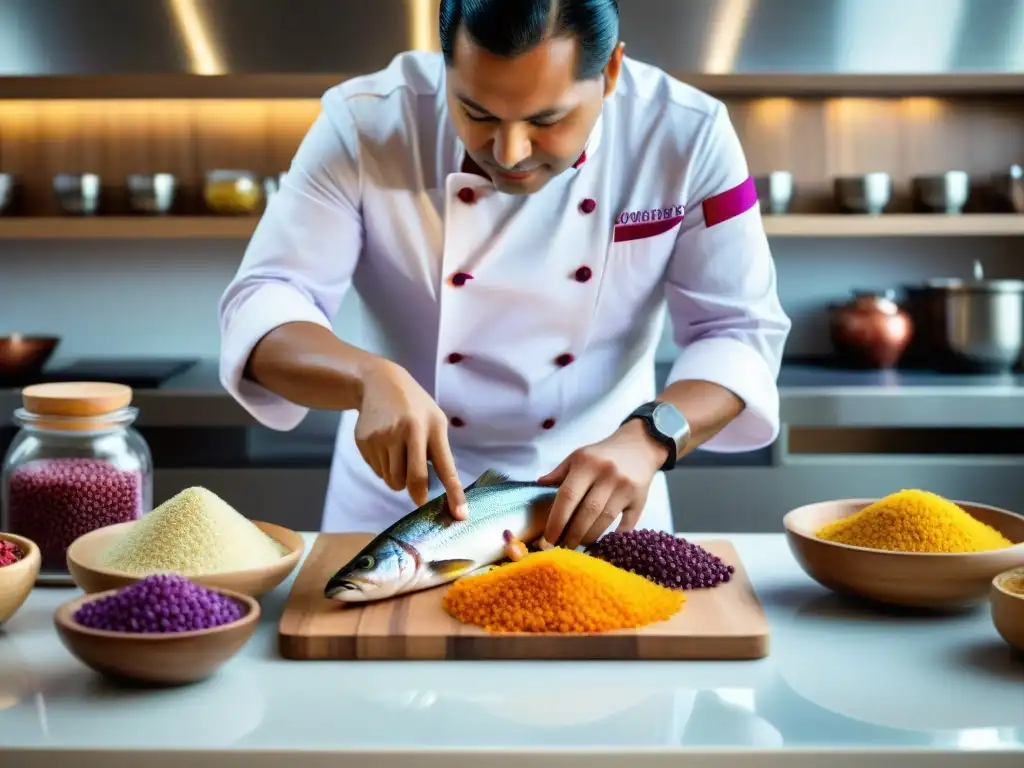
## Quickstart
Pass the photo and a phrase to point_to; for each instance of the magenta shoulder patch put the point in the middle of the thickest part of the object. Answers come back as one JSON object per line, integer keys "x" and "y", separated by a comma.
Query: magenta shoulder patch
{"x": 731, "y": 203}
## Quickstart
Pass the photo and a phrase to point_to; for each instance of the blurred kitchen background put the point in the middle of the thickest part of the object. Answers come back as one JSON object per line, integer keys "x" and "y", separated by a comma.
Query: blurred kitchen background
{"x": 138, "y": 141}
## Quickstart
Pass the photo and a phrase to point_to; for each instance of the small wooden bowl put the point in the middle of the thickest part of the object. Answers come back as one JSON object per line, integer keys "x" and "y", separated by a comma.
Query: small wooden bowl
{"x": 25, "y": 356}
{"x": 17, "y": 579}
{"x": 938, "y": 581}
{"x": 86, "y": 553}
{"x": 1008, "y": 609}
{"x": 175, "y": 658}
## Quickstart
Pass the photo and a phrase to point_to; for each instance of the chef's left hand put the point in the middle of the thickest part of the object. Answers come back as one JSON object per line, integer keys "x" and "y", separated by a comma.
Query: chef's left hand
{"x": 600, "y": 482}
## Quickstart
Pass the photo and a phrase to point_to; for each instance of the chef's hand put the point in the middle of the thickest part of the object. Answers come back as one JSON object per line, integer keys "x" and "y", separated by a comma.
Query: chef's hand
{"x": 601, "y": 482}
{"x": 399, "y": 428}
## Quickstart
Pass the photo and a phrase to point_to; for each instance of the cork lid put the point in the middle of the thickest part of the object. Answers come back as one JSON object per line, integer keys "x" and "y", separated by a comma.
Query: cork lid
{"x": 87, "y": 400}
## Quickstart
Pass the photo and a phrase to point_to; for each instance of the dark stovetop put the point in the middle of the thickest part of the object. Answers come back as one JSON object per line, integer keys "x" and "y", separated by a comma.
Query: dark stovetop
{"x": 135, "y": 372}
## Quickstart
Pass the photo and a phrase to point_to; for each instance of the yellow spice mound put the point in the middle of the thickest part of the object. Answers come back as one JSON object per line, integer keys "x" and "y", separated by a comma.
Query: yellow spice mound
{"x": 914, "y": 521}
{"x": 193, "y": 533}
{"x": 560, "y": 591}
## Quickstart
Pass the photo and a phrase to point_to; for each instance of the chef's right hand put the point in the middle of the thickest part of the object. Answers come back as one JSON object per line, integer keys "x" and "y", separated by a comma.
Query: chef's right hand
{"x": 399, "y": 429}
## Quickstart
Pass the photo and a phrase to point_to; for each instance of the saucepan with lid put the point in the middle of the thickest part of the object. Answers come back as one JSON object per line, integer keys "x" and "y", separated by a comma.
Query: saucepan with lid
{"x": 972, "y": 325}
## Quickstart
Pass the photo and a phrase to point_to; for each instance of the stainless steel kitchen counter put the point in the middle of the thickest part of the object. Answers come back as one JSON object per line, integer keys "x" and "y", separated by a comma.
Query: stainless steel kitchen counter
{"x": 811, "y": 396}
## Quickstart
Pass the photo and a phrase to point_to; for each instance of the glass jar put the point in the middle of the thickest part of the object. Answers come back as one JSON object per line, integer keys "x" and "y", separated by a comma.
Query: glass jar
{"x": 76, "y": 465}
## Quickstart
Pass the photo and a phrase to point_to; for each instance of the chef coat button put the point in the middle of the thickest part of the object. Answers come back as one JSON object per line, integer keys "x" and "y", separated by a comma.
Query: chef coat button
{"x": 564, "y": 360}
{"x": 456, "y": 357}
{"x": 548, "y": 423}
{"x": 455, "y": 421}
{"x": 588, "y": 205}
{"x": 583, "y": 274}
{"x": 467, "y": 195}
{"x": 461, "y": 278}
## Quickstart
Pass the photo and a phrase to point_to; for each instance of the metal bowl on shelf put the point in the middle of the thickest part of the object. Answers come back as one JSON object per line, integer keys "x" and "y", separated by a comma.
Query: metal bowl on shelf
{"x": 232, "y": 192}
{"x": 775, "y": 192}
{"x": 7, "y": 185}
{"x": 77, "y": 194}
{"x": 151, "y": 193}
{"x": 1008, "y": 189}
{"x": 869, "y": 193}
{"x": 946, "y": 193}
{"x": 272, "y": 184}
{"x": 23, "y": 357}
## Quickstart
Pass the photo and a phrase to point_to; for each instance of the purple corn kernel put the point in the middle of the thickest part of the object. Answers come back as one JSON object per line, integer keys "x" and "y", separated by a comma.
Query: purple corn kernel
{"x": 665, "y": 559}
{"x": 54, "y": 501}
{"x": 158, "y": 604}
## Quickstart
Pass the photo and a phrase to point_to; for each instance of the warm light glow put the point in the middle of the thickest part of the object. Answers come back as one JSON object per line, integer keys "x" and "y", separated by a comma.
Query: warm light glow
{"x": 727, "y": 30}
{"x": 851, "y": 111}
{"x": 773, "y": 113}
{"x": 182, "y": 136}
{"x": 423, "y": 33}
{"x": 922, "y": 108}
{"x": 195, "y": 33}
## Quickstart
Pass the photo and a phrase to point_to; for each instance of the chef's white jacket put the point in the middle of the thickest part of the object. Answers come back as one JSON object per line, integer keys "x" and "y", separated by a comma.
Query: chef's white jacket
{"x": 532, "y": 320}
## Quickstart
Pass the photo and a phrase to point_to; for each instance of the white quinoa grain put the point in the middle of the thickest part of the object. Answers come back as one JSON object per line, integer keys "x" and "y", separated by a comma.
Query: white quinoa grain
{"x": 193, "y": 533}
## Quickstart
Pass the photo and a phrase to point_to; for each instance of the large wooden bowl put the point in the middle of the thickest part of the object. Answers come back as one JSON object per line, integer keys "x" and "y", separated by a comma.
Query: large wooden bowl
{"x": 175, "y": 658}
{"x": 17, "y": 579}
{"x": 1008, "y": 609}
{"x": 86, "y": 553}
{"x": 929, "y": 581}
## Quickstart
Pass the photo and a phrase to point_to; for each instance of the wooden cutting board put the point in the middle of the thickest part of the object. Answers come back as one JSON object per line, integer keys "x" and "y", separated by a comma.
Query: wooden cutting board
{"x": 726, "y": 622}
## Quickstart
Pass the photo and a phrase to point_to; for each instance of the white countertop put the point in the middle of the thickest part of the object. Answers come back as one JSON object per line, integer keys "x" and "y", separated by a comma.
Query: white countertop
{"x": 840, "y": 680}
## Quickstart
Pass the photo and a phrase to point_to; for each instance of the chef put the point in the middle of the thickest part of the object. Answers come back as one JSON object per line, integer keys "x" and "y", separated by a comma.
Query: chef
{"x": 518, "y": 214}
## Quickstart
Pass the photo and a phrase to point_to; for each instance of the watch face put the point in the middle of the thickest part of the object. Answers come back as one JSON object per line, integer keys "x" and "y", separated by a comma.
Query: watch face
{"x": 669, "y": 421}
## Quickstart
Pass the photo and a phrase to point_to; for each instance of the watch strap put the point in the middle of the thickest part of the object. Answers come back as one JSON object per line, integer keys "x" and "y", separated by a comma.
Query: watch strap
{"x": 645, "y": 413}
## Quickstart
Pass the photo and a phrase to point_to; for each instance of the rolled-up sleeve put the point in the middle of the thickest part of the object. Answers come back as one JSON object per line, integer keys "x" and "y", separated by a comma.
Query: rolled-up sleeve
{"x": 300, "y": 261}
{"x": 722, "y": 293}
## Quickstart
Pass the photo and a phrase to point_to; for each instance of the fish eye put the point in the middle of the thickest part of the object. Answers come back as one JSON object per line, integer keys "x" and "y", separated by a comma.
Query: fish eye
{"x": 365, "y": 563}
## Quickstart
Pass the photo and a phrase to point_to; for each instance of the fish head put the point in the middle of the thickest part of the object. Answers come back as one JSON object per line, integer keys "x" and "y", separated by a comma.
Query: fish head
{"x": 381, "y": 570}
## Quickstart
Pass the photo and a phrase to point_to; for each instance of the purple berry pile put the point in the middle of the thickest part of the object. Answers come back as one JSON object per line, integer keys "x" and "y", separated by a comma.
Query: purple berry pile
{"x": 160, "y": 604}
{"x": 55, "y": 501}
{"x": 662, "y": 558}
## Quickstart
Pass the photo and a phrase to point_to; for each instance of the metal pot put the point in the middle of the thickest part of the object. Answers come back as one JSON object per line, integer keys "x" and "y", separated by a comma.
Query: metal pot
{"x": 968, "y": 325}
{"x": 870, "y": 331}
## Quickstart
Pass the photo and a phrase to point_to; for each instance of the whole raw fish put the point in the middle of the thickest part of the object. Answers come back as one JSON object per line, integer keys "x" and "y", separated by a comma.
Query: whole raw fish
{"x": 428, "y": 547}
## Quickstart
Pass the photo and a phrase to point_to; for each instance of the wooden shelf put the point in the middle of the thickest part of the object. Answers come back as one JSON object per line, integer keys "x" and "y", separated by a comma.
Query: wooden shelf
{"x": 241, "y": 227}
{"x": 896, "y": 225}
{"x": 127, "y": 228}
{"x": 312, "y": 86}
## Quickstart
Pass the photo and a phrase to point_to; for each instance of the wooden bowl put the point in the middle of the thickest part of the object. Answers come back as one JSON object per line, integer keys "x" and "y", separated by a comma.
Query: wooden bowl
{"x": 175, "y": 658}
{"x": 1008, "y": 608}
{"x": 17, "y": 579}
{"x": 916, "y": 580}
{"x": 86, "y": 553}
{"x": 25, "y": 356}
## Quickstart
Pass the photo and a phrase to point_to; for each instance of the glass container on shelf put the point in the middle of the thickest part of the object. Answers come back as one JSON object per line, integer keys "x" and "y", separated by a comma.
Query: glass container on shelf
{"x": 75, "y": 465}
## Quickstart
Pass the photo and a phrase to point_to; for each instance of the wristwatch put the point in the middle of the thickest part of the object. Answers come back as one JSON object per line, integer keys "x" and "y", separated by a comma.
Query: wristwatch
{"x": 667, "y": 425}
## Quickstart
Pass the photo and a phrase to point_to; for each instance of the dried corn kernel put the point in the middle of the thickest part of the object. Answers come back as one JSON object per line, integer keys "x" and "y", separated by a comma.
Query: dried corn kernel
{"x": 914, "y": 521}
{"x": 560, "y": 590}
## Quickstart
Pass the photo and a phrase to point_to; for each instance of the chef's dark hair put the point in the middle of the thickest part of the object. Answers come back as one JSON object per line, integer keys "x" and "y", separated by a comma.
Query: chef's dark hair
{"x": 510, "y": 28}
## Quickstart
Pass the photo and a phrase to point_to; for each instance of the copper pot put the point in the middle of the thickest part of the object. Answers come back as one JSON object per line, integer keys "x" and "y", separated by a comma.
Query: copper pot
{"x": 870, "y": 330}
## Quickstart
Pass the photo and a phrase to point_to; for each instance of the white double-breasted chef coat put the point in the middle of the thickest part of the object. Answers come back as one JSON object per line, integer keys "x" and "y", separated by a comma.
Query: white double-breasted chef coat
{"x": 532, "y": 320}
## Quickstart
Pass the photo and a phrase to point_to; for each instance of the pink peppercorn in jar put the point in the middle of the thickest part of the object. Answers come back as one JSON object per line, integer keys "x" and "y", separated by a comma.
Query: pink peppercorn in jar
{"x": 76, "y": 465}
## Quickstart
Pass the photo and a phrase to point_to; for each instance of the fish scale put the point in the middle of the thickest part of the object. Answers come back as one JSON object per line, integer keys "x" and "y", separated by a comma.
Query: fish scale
{"x": 493, "y": 510}
{"x": 428, "y": 547}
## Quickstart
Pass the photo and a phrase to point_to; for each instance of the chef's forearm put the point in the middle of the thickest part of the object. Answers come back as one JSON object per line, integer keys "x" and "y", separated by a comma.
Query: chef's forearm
{"x": 308, "y": 365}
{"x": 708, "y": 407}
